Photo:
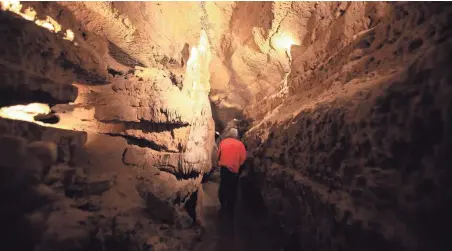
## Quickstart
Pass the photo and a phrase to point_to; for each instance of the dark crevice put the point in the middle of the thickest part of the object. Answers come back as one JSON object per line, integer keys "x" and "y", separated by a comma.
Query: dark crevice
{"x": 9, "y": 97}
{"x": 185, "y": 54}
{"x": 140, "y": 142}
{"x": 114, "y": 72}
{"x": 177, "y": 81}
{"x": 47, "y": 118}
{"x": 146, "y": 126}
{"x": 223, "y": 115}
{"x": 123, "y": 155}
{"x": 180, "y": 176}
{"x": 191, "y": 175}
{"x": 121, "y": 56}
{"x": 82, "y": 75}
{"x": 190, "y": 205}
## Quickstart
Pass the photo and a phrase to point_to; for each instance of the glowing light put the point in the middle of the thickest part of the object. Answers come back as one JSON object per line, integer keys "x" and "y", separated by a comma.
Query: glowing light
{"x": 69, "y": 35}
{"x": 12, "y": 6}
{"x": 283, "y": 41}
{"x": 16, "y": 7}
{"x": 30, "y": 15}
{"x": 49, "y": 24}
{"x": 25, "y": 112}
{"x": 193, "y": 67}
{"x": 197, "y": 72}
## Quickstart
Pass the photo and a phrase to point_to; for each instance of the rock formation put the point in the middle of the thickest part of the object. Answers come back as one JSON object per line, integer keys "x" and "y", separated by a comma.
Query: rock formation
{"x": 108, "y": 112}
{"x": 131, "y": 143}
{"x": 355, "y": 158}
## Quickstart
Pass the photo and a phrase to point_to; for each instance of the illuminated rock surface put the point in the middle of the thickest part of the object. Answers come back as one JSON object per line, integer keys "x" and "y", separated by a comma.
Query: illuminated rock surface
{"x": 109, "y": 111}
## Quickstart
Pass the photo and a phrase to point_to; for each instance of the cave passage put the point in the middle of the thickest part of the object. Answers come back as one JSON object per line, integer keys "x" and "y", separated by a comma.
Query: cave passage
{"x": 111, "y": 114}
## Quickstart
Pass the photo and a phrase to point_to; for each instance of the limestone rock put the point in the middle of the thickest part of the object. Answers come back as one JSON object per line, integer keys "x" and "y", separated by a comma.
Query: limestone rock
{"x": 352, "y": 159}
{"x": 13, "y": 150}
{"x": 134, "y": 156}
{"x": 349, "y": 103}
{"x": 46, "y": 152}
{"x": 84, "y": 185}
{"x": 165, "y": 197}
{"x": 158, "y": 208}
{"x": 57, "y": 173}
{"x": 163, "y": 161}
{"x": 67, "y": 141}
{"x": 60, "y": 62}
{"x": 20, "y": 173}
{"x": 66, "y": 230}
{"x": 100, "y": 184}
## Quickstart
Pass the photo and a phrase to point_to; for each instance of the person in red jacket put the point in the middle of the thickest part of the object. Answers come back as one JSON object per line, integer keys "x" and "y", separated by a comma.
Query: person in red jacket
{"x": 231, "y": 156}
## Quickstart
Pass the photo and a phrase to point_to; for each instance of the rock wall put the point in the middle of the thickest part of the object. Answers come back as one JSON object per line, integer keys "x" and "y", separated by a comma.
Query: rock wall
{"x": 250, "y": 43}
{"x": 355, "y": 158}
{"x": 131, "y": 143}
{"x": 342, "y": 97}
{"x": 146, "y": 106}
{"x": 251, "y": 55}
{"x": 71, "y": 191}
{"x": 24, "y": 44}
{"x": 148, "y": 110}
{"x": 257, "y": 48}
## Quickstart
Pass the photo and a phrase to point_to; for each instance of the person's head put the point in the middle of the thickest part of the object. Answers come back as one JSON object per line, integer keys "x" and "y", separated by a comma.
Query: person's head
{"x": 232, "y": 133}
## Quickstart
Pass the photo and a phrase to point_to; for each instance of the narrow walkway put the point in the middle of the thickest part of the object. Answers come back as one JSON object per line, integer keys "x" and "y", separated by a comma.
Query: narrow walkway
{"x": 244, "y": 232}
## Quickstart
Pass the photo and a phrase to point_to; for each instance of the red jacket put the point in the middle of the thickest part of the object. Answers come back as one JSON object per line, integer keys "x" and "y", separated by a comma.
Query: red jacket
{"x": 231, "y": 154}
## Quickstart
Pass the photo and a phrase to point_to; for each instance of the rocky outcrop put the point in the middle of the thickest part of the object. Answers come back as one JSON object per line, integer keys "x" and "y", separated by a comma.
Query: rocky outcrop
{"x": 257, "y": 59}
{"x": 251, "y": 54}
{"x": 146, "y": 106}
{"x": 254, "y": 56}
{"x": 250, "y": 59}
{"x": 359, "y": 164}
{"x": 131, "y": 143}
{"x": 89, "y": 203}
{"x": 60, "y": 63}
{"x": 150, "y": 111}
{"x": 21, "y": 170}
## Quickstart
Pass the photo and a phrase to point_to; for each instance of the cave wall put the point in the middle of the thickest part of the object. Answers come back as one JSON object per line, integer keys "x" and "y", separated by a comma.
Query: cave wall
{"x": 23, "y": 44}
{"x": 249, "y": 69}
{"x": 148, "y": 106}
{"x": 340, "y": 124}
{"x": 250, "y": 72}
{"x": 247, "y": 65}
{"x": 356, "y": 157}
{"x": 130, "y": 143}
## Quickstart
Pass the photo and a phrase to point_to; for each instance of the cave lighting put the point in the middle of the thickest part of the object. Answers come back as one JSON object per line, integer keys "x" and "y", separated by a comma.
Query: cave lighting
{"x": 49, "y": 24}
{"x": 283, "y": 41}
{"x": 197, "y": 75}
{"x": 25, "y": 112}
{"x": 30, "y": 15}
{"x": 193, "y": 67}
{"x": 69, "y": 35}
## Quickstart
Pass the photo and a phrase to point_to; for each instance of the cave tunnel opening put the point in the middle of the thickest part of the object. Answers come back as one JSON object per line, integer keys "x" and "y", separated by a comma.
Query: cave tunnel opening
{"x": 111, "y": 114}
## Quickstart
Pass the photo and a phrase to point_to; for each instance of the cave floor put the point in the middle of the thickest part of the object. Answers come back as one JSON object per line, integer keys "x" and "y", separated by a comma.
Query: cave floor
{"x": 243, "y": 232}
